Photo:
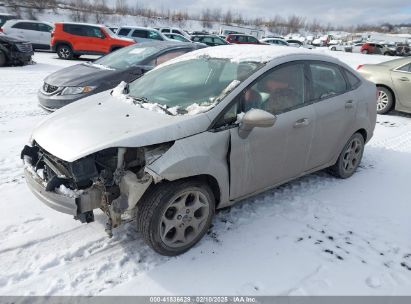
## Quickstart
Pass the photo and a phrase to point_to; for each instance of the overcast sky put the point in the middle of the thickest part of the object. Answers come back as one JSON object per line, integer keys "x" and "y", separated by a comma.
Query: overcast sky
{"x": 347, "y": 12}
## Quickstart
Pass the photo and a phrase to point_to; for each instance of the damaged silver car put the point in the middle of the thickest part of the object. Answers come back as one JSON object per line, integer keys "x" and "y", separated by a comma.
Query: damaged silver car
{"x": 200, "y": 133}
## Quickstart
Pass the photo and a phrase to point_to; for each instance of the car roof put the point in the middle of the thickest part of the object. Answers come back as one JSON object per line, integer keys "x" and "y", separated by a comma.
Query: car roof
{"x": 27, "y": 20}
{"x": 167, "y": 44}
{"x": 137, "y": 27}
{"x": 80, "y": 23}
{"x": 253, "y": 53}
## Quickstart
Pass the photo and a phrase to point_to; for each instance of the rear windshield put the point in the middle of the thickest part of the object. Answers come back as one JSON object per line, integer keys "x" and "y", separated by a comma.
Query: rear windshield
{"x": 127, "y": 57}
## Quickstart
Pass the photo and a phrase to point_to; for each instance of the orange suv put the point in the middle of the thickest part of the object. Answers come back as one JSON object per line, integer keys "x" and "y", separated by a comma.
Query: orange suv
{"x": 71, "y": 40}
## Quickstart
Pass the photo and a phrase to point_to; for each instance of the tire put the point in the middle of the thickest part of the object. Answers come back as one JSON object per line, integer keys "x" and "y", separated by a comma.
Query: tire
{"x": 364, "y": 52}
{"x": 2, "y": 59}
{"x": 64, "y": 51}
{"x": 76, "y": 56}
{"x": 180, "y": 205}
{"x": 387, "y": 54}
{"x": 385, "y": 100}
{"x": 349, "y": 158}
{"x": 333, "y": 49}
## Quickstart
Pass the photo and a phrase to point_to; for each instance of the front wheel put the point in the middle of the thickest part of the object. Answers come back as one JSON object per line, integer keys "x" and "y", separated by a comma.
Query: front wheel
{"x": 350, "y": 157}
{"x": 174, "y": 216}
{"x": 65, "y": 52}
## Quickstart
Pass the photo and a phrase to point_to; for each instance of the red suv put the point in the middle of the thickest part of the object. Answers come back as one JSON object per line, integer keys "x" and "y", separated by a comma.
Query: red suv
{"x": 75, "y": 39}
{"x": 242, "y": 39}
{"x": 375, "y": 48}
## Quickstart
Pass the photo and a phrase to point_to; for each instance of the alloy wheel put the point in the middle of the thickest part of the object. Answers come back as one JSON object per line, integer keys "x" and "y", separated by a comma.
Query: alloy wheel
{"x": 184, "y": 218}
{"x": 64, "y": 53}
{"x": 352, "y": 155}
{"x": 383, "y": 101}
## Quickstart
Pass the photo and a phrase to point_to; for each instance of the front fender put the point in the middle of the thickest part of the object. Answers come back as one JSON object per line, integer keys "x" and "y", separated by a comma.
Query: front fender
{"x": 200, "y": 154}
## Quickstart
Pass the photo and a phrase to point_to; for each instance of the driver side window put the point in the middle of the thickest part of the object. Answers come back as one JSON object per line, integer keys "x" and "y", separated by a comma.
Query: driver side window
{"x": 279, "y": 90}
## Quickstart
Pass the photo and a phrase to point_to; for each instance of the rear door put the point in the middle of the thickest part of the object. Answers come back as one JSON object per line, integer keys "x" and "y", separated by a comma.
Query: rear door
{"x": 401, "y": 78}
{"x": 335, "y": 108}
{"x": 44, "y": 32}
{"x": 269, "y": 156}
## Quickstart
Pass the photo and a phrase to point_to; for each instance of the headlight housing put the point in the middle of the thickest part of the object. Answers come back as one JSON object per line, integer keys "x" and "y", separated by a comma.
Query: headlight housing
{"x": 77, "y": 90}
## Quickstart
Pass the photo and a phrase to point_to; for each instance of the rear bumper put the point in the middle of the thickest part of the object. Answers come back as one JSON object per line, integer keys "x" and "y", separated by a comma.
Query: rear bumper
{"x": 88, "y": 200}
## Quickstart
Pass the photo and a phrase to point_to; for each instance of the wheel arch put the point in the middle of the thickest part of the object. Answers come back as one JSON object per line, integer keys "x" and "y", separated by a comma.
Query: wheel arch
{"x": 62, "y": 42}
{"x": 363, "y": 133}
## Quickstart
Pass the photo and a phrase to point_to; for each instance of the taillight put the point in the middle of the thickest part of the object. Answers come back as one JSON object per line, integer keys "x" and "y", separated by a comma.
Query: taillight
{"x": 359, "y": 66}
{"x": 1, "y": 30}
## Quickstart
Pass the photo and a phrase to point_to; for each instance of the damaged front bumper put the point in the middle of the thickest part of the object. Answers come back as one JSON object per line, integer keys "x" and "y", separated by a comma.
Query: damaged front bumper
{"x": 75, "y": 205}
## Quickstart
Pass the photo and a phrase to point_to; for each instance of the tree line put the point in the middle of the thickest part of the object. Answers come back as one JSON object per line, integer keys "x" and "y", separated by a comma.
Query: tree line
{"x": 98, "y": 10}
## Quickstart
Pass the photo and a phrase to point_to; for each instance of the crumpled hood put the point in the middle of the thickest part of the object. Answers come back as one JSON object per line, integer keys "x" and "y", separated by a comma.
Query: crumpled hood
{"x": 80, "y": 74}
{"x": 103, "y": 121}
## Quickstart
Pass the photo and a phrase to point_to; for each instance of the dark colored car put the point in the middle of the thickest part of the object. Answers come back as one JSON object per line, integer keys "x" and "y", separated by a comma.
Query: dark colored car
{"x": 127, "y": 64}
{"x": 242, "y": 39}
{"x": 210, "y": 40}
{"x": 14, "y": 51}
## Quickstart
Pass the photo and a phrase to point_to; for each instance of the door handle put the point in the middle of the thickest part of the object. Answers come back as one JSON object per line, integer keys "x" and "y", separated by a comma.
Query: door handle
{"x": 303, "y": 122}
{"x": 349, "y": 104}
{"x": 403, "y": 79}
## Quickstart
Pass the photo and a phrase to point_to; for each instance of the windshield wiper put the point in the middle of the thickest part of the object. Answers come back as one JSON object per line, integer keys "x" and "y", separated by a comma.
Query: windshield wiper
{"x": 141, "y": 100}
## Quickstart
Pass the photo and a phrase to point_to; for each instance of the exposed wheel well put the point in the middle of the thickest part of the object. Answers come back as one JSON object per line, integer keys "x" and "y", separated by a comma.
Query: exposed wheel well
{"x": 392, "y": 93}
{"x": 363, "y": 133}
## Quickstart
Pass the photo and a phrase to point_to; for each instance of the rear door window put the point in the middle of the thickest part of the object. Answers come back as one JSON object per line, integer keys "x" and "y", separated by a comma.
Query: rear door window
{"x": 170, "y": 55}
{"x": 124, "y": 31}
{"x": 327, "y": 80}
{"x": 252, "y": 39}
{"x": 405, "y": 68}
{"x": 44, "y": 27}
{"x": 154, "y": 35}
{"x": 140, "y": 34}
{"x": 26, "y": 26}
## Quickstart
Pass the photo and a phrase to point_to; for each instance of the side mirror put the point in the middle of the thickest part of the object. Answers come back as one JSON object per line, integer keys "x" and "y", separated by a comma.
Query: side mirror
{"x": 256, "y": 118}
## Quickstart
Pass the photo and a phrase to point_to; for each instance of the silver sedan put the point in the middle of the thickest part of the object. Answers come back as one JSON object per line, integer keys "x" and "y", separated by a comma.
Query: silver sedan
{"x": 200, "y": 133}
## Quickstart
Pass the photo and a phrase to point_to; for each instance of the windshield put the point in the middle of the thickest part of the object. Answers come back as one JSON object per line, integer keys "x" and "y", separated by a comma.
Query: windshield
{"x": 202, "y": 81}
{"x": 126, "y": 57}
{"x": 110, "y": 33}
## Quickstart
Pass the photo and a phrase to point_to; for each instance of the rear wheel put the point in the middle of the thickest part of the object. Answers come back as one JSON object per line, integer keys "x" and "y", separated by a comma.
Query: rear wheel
{"x": 2, "y": 59}
{"x": 350, "y": 157}
{"x": 364, "y": 51}
{"x": 333, "y": 48}
{"x": 65, "y": 52}
{"x": 385, "y": 100}
{"x": 174, "y": 216}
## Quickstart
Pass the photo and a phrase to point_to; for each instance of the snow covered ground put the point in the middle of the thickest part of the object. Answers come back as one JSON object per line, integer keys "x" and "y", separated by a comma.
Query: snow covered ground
{"x": 315, "y": 236}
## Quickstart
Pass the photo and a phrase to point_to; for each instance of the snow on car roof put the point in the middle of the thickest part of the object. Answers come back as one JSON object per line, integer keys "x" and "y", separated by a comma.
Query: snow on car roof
{"x": 242, "y": 53}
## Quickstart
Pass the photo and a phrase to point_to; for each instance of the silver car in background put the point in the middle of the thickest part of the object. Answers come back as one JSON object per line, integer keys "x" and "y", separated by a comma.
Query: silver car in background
{"x": 393, "y": 80}
{"x": 199, "y": 133}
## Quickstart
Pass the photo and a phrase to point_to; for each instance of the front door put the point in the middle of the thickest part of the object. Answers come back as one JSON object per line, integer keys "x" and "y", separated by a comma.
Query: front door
{"x": 269, "y": 156}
